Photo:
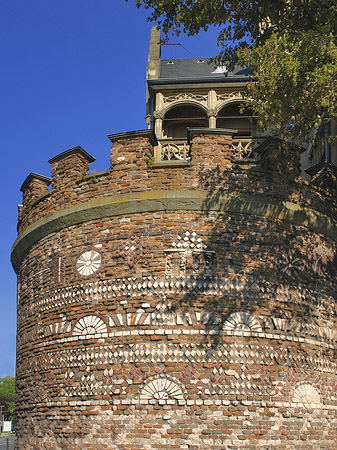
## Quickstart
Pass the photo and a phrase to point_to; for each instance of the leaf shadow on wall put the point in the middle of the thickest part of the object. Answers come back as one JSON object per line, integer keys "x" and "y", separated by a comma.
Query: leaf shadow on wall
{"x": 274, "y": 273}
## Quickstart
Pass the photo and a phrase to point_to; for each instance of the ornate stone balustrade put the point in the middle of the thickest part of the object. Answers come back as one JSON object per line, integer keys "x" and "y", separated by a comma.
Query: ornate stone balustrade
{"x": 244, "y": 148}
{"x": 179, "y": 150}
{"x": 175, "y": 150}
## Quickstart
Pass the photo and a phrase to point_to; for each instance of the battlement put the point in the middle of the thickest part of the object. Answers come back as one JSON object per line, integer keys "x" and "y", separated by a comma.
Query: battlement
{"x": 133, "y": 168}
{"x": 213, "y": 161}
{"x": 214, "y": 165}
{"x": 69, "y": 166}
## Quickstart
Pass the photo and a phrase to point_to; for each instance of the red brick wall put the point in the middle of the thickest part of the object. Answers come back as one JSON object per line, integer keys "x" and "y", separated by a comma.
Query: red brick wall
{"x": 179, "y": 329}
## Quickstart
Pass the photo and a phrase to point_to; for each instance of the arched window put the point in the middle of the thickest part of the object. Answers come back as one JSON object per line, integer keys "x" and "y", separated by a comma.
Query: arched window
{"x": 178, "y": 119}
{"x": 232, "y": 117}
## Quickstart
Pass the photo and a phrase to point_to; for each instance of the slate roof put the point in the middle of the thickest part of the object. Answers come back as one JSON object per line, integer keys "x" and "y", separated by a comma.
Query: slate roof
{"x": 196, "y": 68}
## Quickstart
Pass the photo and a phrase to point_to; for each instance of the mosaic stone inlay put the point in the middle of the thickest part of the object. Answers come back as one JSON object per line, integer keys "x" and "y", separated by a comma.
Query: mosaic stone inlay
{"x": 306, "y": 394}
{"x": 89, "y": 325}
{"x": 88, "y": 263}
{"x": 242, "y": 321}
{"x": 189, "y": 256}
{"x": 133, "y": 251}
{"x": 161, "y": 389}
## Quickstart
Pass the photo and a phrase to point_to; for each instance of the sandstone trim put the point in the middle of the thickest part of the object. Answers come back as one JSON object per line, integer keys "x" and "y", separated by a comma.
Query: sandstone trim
{"x": 197, "y": 200}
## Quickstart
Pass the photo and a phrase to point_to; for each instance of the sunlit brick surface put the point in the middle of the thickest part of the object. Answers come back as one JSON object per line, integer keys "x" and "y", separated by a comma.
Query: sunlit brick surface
{"x": 177, "y": 308}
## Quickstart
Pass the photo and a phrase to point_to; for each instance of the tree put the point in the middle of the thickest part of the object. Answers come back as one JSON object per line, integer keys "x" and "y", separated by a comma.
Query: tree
{"x": 295, "y": 89}
{"x": 7, "y": 387}
{"x": 290, "y": 46}
{"x": 7, "y": 396}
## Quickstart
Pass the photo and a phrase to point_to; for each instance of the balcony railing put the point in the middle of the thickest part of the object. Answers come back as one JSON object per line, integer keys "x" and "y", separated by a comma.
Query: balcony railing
{"x": 177, "y": 150}
{"x": 173, "y": 150}
{"x": 244, "y": 148}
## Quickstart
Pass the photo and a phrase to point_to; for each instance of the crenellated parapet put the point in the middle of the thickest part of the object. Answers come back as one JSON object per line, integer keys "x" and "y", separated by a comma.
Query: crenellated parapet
{"x": 213, "y": 166}
{"x": 133, "y": 168}
{"x": 131, "y": 150}
{"x": 33, "y": 188}
{"x": 68, "y": 167}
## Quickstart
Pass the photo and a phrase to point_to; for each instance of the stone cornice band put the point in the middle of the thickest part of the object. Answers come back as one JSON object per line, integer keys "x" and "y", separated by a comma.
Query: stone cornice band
{"x": 197, "y": 200}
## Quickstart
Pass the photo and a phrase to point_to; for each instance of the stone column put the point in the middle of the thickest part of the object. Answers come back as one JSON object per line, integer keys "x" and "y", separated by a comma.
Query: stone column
{"x": 211, "y": 118}
{"x": 158, "y": 127}
{"x": 211, "y": 104}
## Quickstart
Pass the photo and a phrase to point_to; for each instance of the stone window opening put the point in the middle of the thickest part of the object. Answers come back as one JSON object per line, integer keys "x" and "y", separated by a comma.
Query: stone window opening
{"x": 178, "y": 119}
{"x": 232, "y": 117}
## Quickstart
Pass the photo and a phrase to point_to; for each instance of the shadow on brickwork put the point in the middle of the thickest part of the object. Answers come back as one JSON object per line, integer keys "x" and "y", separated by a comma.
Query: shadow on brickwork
{"x": 272, "y": 268}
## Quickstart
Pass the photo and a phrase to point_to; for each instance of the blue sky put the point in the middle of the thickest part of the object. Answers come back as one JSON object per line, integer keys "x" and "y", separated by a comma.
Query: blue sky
{"x": 72, "y": 71}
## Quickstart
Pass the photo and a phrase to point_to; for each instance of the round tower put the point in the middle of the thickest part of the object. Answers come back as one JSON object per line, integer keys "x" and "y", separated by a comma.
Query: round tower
{"x": 186, "y": 304}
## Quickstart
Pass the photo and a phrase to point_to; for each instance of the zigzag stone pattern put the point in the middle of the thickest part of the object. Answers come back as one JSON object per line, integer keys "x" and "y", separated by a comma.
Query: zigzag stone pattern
{"x": 157, "y": 287}
{"x": 151, "y": 318}
{"x": 188, "y": 353}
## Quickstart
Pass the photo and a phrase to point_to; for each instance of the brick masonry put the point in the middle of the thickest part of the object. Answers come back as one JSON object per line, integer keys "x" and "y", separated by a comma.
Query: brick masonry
{"x": 177, "y": 307}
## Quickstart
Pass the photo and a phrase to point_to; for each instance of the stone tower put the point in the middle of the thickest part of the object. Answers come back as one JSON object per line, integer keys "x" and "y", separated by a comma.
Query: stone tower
{"x": 185, "y": 298}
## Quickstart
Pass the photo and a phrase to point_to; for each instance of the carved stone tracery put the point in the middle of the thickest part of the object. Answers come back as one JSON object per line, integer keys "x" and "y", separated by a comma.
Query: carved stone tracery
{"x": 243, "y": 149}
{"x": 170, "y": 152}
{"x": 185, "y": 96}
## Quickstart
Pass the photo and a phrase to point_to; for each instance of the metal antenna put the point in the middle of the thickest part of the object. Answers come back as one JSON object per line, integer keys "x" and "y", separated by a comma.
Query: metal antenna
{"x": 183, "y": 48}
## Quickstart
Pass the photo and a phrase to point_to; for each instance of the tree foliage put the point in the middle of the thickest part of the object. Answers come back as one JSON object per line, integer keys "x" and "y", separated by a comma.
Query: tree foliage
{"x": 11, "y": 409}
{"x": 7, "y": 396}
{"x": 7, "y": 387}
{"x": 290, "y": 45}
{"x": 295, "y": 83}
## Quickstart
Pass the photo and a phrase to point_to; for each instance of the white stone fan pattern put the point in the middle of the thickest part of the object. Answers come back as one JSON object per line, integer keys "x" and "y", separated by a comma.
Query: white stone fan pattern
{"x": 242, "y": 321}
{"x": 88, "y": 263}
{"x": 161, "y": 389}
{"x": 306, "y": 394}
{"x": 89, "y": 325}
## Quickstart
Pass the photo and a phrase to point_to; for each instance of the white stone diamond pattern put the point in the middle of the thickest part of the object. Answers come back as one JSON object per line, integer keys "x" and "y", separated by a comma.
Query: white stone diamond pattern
{"x": 242, "y": 321}
{"x": 156, "y": 353}
{"x": 84, "y": 383}
{"x": 88, "y": 384}
{"x": 189, "y": 240}
{"x": 240, "y": 381}
{"x": 306, "y": 393}
{"x": 89, "y": 326}
{"x": 161, "y": 388}
{"x": 78, "y": 357}
{"x": 88, "y": 263}
{"x": 68, "y": 382}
